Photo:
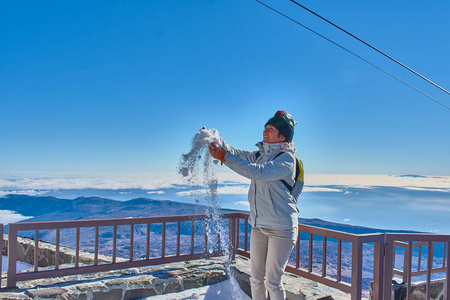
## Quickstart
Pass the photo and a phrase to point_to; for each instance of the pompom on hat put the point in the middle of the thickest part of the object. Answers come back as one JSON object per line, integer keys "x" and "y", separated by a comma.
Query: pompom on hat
{"x": 284, "y": 123}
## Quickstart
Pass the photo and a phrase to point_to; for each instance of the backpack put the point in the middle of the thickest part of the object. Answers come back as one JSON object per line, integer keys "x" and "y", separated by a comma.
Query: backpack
{"x": 297, "y": 188}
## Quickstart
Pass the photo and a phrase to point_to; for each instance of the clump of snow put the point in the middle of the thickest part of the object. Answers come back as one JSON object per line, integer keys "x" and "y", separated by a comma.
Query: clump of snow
{"x": 206, "y": 136}
{"x": 199, "y": 151}
{"x": 20, "y": 266}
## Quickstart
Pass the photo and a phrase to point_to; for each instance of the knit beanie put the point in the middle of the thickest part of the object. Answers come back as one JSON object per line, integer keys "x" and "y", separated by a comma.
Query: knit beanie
{"x": 284, "y": 123}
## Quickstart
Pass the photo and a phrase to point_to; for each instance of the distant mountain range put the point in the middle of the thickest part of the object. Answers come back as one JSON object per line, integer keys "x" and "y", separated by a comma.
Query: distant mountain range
{"x": 43, "y": 209}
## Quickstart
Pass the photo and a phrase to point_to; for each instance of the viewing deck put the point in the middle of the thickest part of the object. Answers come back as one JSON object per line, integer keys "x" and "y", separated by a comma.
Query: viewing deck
{"x": 332, "y": 258}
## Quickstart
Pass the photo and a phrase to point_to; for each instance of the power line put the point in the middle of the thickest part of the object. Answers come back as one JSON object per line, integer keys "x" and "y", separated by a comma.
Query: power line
{"x": 356, "y": 55}
{"x": 367, "y": 44}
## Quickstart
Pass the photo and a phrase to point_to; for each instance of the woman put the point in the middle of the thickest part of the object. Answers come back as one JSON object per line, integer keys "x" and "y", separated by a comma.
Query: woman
{"x": 273, "y": 211}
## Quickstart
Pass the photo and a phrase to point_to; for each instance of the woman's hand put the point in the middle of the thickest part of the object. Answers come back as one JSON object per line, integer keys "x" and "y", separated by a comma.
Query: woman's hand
{"x": 217, "y": 152}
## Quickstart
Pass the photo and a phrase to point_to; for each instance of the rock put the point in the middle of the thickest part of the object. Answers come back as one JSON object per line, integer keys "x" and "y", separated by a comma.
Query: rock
{"x": 295, "y": 296}
{"x": 139, "y": 293}
{"x": 418, "y": 289}
{"x": 47, "y": 293}
{"x": 108, "y": 295}
{"x": 215, "y": 277}
{"x": 75, "y": 296}
{"x": 13, "y": 296}
{"x": 95, "y": 286}
{"x": 159, "y": 287}
{"x": 116, "y": 282}
{"x": 172, "y": 286}
{"x": 140, "y": 280}
{"x": 193, "y": 282}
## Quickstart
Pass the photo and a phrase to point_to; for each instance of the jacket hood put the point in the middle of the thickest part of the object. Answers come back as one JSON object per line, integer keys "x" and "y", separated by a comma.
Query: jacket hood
{"x": 268, "y": 148}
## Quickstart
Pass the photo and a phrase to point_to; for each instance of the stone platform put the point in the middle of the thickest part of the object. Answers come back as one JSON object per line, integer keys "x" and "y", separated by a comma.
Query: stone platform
{"x": 136, "y": 283}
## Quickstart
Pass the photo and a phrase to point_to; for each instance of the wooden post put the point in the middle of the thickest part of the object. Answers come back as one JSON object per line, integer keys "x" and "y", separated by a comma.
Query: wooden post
{"x": 356, "y": 269}
{"x": 12, "y": 256}
{"x": 378, "y": 269}
{"x": 388, "y": 265}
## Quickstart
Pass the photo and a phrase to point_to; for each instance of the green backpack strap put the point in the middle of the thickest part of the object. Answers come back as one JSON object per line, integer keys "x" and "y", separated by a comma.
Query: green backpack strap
{"x": 299, "y": 173}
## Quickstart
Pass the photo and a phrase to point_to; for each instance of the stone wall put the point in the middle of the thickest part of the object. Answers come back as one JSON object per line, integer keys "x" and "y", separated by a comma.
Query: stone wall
{"x": 418, "y": 290}
{"x": 136, "y": 283}
{"x": 46, "y": 254}
{"x": 126, "y": 284}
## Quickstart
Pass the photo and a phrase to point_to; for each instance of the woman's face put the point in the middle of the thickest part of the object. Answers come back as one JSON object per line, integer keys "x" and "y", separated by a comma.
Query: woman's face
{"x": 272, "y": 135}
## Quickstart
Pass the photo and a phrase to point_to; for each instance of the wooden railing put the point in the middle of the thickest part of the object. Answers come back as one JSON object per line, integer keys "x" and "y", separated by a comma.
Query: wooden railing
{"x": 232, "y": 239}
{"x": 354, "y": 286}
{"x": 14, "y": 228}
{"x": 409, "y": 242}
{"x": 407, "y": 272}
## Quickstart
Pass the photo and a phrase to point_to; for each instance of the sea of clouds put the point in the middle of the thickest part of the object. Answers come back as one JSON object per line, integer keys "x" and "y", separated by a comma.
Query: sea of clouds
{"x": 40, "y": 183}
{"x": 411, "y": 202}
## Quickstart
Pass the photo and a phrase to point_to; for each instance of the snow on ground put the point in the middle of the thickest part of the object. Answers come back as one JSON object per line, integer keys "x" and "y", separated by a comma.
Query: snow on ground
{"x": 224, "y": 290}
{"x": 21, "y": 266}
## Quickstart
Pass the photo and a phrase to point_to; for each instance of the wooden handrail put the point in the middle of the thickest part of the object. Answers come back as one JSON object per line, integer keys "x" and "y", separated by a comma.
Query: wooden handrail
{"x": 14, "y": 228}
{"x": 384, "y": 245}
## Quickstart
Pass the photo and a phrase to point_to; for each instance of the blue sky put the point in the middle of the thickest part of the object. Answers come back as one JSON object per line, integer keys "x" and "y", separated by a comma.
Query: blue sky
{"x": 122, "y": 86}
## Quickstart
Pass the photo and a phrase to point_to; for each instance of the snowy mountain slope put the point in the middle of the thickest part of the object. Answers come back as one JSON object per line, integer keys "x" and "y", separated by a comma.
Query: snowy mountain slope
{"x": 82, "y": 208}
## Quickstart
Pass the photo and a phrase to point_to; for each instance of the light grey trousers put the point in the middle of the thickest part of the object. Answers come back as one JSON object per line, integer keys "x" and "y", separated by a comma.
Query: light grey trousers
{"x": 269, "y": 255}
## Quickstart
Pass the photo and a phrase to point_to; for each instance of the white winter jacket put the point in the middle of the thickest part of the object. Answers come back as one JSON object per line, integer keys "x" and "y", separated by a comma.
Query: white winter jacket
{"x": 271, "y": 204}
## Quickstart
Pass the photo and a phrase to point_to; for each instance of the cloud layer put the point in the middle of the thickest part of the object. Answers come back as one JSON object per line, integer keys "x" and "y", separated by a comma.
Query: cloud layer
{"x": 230, "y": 183}
{"x": 383, "y": 201}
